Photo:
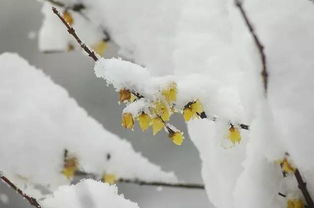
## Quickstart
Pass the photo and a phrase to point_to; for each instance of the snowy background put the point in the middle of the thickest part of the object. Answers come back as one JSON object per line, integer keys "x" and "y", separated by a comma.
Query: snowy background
{"x": 205, "y": 50}
{"x": 19, "y": 20}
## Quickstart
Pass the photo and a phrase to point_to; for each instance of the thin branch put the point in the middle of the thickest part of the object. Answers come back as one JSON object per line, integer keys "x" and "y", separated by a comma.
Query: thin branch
{"x": 203, "y": 115}
{"x": 258, "y": 44}
{"x": 303, "y": 188}
{"x": 145, "y": 183}
{"x": 172, "y": 185}
{"x": 32, "y": 201}
{"x": 73, "y": 33}
{"x": 78, "y": 7}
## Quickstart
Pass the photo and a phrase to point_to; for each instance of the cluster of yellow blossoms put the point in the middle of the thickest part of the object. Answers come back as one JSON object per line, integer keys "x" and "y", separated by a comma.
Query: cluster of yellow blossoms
{"x": 160, "y": 111}
{"x": 157, "y": 116}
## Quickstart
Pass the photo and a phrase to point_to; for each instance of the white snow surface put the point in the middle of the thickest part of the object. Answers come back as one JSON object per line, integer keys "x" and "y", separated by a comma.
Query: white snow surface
{"x": 206, "y": 48}
{"x": 39, "y": 120}
{"x": 87, "y": 194}
{"x": 4, "y": 199}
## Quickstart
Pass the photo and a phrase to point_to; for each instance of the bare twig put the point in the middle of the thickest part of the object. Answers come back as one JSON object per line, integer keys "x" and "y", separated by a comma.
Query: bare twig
{"x": 73, "y": 33}
{"x": 303, "y": 188}
{"x": 145, "y": 183}
{"x": 78, "y": 7}
{"x": 258, "y": 44}
{"x": 32, "y": 201}
{"x": 172, "y": 185}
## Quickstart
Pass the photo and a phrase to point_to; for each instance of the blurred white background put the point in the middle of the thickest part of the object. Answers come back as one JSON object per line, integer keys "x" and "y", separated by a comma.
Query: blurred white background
{"x": 19, "y": 19}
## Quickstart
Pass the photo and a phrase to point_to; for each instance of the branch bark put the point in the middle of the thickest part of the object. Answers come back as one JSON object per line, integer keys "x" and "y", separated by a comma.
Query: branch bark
{"x": 145, "y": 183}
{"x": 258, "y": 43}
{"x": 171, "y": 185}
{"x": 32, "y": 201}
{"x": 303, "y": 188}
{"x": 73, "y": 33}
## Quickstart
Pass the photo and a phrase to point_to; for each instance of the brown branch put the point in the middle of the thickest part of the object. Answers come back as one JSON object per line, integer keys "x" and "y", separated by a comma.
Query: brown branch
{"x": 172, "y": 185}
{"x": 73, "y": 33}
{"x": 203, "y": 115}
{"x": 32, "y": 201}
{"x": 258, "y": 44}
{"x": 145, "y": 183}
{"x": 303, "y": 188}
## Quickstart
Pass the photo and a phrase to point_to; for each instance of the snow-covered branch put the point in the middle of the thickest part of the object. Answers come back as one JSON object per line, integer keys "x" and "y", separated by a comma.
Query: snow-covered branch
{"x": 148, "y": 109}
{"x": 264, "y": 73}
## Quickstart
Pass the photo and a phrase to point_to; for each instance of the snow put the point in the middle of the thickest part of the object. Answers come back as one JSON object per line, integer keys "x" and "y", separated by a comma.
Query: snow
{"x": 87, "y": 194}
{"x": 150, "y": 33}
{"x": 31, "y": 35}
{"x": 4, "y": 199}
{"x": 223, "y": 101}
{"x": 39, "y": 120}
{"x": 205, "y": 47}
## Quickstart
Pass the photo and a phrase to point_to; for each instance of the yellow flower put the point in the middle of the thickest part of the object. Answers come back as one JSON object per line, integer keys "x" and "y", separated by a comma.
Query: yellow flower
{"x": 70, "y": 167}
{"x": 295, "y": 203}
{"x": 176, "y": 137}
{"x": 133, "y": 98}
{"x": 100, "y": 47}
{"x": 286, "y": 166}
{"x": 170, "y": 93}
{"x": 162, "y": 110}
{"x": 197, "y": 107}
{"x": 127, "y": 120}
{"x": 144, "y": 121}
{"x": 192, "y": 110}
{"x": 157, "y": 125}
{"x": 234, "y": 135}
{"x": 125, "y": 95}
{"x": 110, "y": 178}
{"x": 68, "y": 17}
{"x": 187, "y": 114}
